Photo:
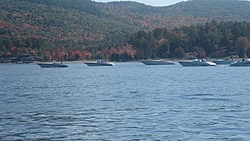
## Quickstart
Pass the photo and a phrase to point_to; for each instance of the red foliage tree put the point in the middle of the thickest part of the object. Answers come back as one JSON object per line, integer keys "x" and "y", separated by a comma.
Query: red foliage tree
{"x": 199, "y": 52}
{"x": 71, "y": 54}
{"x": 57, "y": 55}
{"x": 105, "y": 52}
{"x": 221, "y": 51}
{"x": 12, "y": 49}
{"x": 78, "y": 55}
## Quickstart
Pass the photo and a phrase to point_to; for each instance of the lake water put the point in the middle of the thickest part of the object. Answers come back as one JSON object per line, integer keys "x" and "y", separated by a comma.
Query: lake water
{"x": 127, "y": 102}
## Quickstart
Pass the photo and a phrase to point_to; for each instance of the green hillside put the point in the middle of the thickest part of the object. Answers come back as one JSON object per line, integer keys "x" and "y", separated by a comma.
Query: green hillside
{"x": 49, "y": 26}
{"x": 233, "y": 10}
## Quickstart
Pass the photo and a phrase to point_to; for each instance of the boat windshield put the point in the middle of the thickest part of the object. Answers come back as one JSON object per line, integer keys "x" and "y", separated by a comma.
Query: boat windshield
{"x": 101, "y": 61}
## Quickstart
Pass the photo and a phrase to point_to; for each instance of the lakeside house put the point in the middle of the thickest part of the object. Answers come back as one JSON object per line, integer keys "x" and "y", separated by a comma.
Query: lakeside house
{"x": 23, "y": 58}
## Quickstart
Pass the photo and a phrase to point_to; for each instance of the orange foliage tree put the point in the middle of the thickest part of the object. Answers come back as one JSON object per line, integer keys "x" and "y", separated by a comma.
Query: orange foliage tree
{"x": 86, "y": 55}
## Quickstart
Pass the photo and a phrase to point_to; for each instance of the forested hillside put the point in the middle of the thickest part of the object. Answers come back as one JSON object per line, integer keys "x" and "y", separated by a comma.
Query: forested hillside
{"x": 212, "y": 39}
{"x": 73, "y": 29}
{"x": 233, "y": 10}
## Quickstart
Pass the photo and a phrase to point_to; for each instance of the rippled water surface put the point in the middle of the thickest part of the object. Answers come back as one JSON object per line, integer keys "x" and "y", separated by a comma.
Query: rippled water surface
{"x": 129, "y": 101}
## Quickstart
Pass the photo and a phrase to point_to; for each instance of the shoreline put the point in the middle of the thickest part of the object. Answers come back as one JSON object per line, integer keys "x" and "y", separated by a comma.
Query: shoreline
{"x": 94, "y": 60}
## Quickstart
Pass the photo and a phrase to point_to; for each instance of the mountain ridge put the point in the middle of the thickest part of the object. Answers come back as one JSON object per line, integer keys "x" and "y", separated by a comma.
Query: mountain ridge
{"x": 84, "y": 24}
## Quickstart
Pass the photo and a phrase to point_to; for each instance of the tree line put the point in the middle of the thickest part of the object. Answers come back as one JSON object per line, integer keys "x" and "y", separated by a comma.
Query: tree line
{"x": 212, "y": 39}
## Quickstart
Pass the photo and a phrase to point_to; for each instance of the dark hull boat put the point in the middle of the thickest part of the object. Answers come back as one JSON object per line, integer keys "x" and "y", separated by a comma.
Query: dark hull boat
{"x": 157, "y": 62}
{"x": 52, "y": 65}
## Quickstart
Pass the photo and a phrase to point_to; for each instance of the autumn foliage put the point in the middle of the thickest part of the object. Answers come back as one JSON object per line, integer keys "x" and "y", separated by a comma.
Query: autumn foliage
{"x": 123, "y": 31}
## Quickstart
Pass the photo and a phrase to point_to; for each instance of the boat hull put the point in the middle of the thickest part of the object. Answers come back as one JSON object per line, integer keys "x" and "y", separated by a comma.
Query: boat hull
{"x": 52, "y": 65}
{"x": 223, "y": 62}
{"x": 196, "y": 63}
{"x": 240, "y": 64}
{"x": 157, "y": 62}
{"x": 98, "y": 64}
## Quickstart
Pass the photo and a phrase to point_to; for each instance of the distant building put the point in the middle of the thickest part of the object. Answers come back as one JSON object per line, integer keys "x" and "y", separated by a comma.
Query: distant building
{"x": 26, "y": 58}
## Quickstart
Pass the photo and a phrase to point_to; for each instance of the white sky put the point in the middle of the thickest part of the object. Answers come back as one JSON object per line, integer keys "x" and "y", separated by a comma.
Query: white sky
{"x": 148, "y": 2}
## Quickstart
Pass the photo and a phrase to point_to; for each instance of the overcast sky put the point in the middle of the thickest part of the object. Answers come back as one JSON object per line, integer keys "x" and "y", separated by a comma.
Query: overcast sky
{"x": 148, "y": 2}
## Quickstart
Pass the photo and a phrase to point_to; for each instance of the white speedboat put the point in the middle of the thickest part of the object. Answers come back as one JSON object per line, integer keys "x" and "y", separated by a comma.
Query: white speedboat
{"x": 52, "y": 65}
{"x": 243, "y": 63}
{"x": 99, "y": 63}
{"x": 223, "y": 61}
{"x": 157, "y": 62}
{"x": 196, "y": 62}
